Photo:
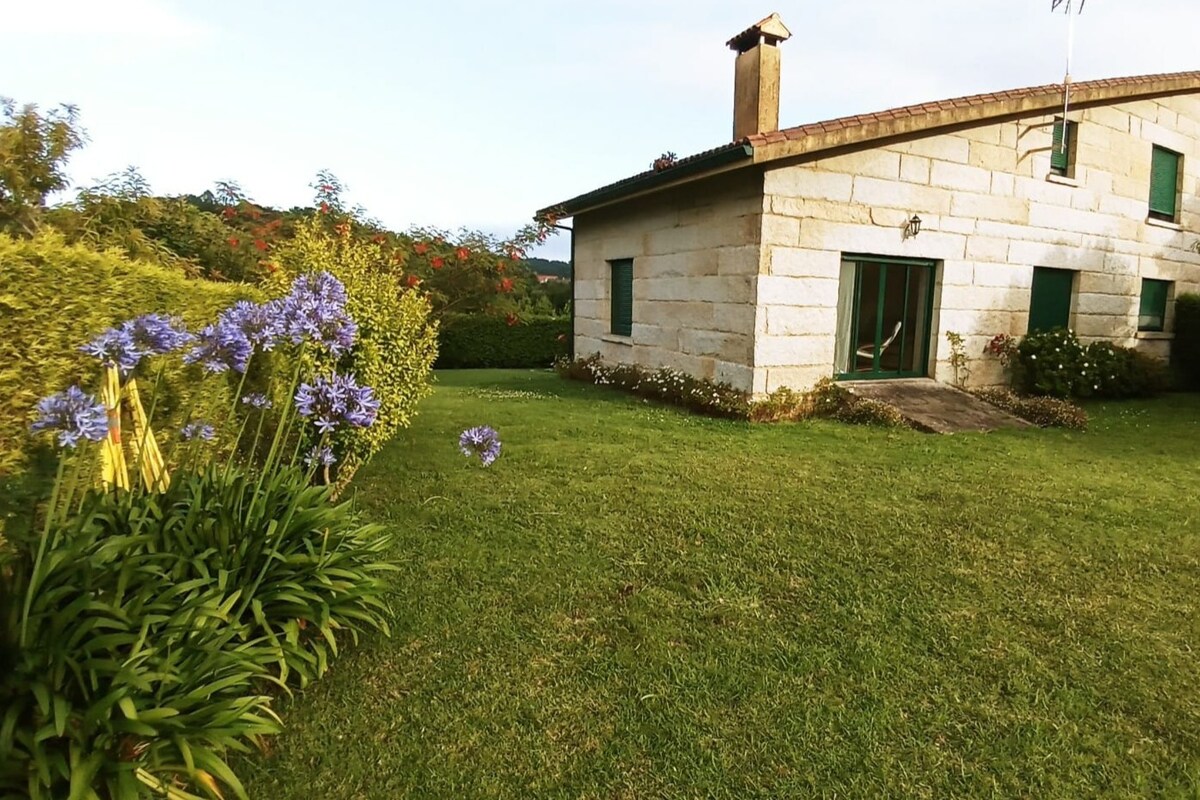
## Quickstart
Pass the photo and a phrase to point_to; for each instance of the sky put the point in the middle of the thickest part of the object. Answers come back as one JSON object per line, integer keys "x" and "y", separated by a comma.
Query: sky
{"x": 465, "y": 113}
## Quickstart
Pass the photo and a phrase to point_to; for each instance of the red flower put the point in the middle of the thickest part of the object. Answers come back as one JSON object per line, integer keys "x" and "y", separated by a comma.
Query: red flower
{"x": 228, "y": 213}
{"x": 253, "y": 213}
{"x": 511, "y": 319}
{"x": 438, "y": 262}
{"x": 270, "y": 267}
{"x": 342, "y": 228}
{"x": 413, "y": 281}
{"x": 233, "y": 241}
{"x": 325, "y": 187}
{"x": 462, "y": 253}
{"x": 506, "y": 285}
{"x": 420, "y": 248}
{"x": 260, "y": 244}
{"x": 379, "y": 238}
{"x": 324, "y": 208}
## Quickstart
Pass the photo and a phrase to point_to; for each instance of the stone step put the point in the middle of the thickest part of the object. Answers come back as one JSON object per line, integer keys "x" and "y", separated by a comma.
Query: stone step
{"x": 936, "y": 407}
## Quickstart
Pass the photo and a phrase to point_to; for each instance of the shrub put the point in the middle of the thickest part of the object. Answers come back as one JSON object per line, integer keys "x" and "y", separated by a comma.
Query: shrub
{"x": 469, "y": 341}
{"x": 1055, "y": 364}
{"x": 1045, "y": 412}
{"x": 867, "y": 411}
{"x": 55, "y": 297}
{"x": 396, "y": 343}
{"x": 782, "y": 405}
{"x": 714, "y": 399}
{"x": 1185, "y": 350}
{"x": 158, "y": 623}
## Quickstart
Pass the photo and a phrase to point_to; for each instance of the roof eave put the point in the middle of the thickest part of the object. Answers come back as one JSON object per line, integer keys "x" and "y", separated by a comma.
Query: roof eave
{"x": 734, "y": 156}
{"x": 810, "y": 142}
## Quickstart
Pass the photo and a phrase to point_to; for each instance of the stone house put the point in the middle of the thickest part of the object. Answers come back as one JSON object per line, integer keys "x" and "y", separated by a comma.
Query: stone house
{"x": 850, "y": 247}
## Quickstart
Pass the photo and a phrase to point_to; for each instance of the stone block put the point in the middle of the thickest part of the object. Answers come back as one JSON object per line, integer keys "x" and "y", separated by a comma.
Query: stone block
{"x": 787, "y": 291}
{"x": 946, "y": 147}
{"x": 949, "y": 175}
{"x": 777, "y": 229}
{"x": 739, "y": 260}
{"x": 873, "y": 163}
{"x": 984, "y": 206}
{"x": 801, "y": 321}
{"x": 809, "y": 181}
{"x": 794, "y": 351}
{"x": 1108, "y": 304}
{"x": 797, "y": 378}
{"x": 993, "y": 157}
{"x": 914, "y": 169}
{"x": 804, "y": 208}
{"x": 804, "y": 262}
{"x": 905, "y": 196}
{"x": 987, "y": 248}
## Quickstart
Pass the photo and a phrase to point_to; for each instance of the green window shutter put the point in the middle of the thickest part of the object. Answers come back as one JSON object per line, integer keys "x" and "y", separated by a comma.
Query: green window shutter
{"x": 1152, "y": 314}
{"x": 1050, "y": 302}
{"x": 1164, "y": 183}
{"x": 1060, "y": 152}
{"x": 622, "y": 297}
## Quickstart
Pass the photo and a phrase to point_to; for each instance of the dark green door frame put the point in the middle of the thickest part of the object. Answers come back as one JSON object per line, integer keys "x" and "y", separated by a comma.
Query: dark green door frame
{"x": 886, "y": 265}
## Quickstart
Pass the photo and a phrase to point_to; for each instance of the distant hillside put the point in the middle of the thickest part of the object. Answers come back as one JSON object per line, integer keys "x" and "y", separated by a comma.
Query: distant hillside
{"x": 545, "y": 266}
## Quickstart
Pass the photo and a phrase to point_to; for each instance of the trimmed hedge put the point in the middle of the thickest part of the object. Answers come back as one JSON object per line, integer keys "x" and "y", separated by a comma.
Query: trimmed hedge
{"x": 1185, "y": 350}
{"x": 54, "y": 297}
{"x": 471, "y": 341}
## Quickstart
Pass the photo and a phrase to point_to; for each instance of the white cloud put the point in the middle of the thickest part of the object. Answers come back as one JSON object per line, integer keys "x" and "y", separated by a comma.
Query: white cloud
{"x": 156, "y": 20}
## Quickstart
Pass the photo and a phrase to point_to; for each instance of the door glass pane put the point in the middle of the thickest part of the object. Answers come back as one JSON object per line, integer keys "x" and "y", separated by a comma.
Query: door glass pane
{"x": 914, "y": 334}
{"x": 895, "y": 281}
{"x": 862, "y": 359}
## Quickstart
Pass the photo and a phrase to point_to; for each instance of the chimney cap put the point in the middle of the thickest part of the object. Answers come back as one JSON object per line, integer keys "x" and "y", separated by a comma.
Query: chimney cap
{"x": 769, "y": 29}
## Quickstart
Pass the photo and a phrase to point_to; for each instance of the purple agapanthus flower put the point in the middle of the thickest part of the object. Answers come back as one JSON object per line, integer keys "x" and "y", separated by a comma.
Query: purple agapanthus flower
{"x": 221, "y": 347}
{"x": 315, "y": 311}
{"x": 256, "y": 400}
{"x": 197, "y": 430}
{"x": 156, "y": 334}
{"x": 322, "y": 456}
{"x": 261, "y": 323}
{"x": 331, "y": 401}
{"x": 482, "y": 441}
{"x": 116, "y": 346}
{"x": 74, "y": 414}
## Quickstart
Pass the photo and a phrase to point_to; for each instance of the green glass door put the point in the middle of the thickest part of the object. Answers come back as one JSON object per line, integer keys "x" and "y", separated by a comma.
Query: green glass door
{"x": 890, "y": 317}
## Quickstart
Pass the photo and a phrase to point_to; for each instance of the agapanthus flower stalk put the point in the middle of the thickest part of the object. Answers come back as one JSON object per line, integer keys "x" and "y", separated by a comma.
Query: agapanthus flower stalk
{"x": 74, "y": 415}
{"x": 482, "y": 441}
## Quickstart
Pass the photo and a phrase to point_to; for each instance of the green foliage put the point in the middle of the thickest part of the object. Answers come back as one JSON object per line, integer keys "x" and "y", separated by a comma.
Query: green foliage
{"x": 1055, "y": 364}
{"x": 54, "y": 297}
{"x": 468, "y": 341}
{"x": 548, "y": 266}
{"x": 1185, "y": 350}
{"x": 827, "y": 399}
{"x": 120, "y": 213}
{"x": 782, "y": 405}
{"x": 958, "y": 358}
{"x": 1045, "y": 412}
{"x": 396, "y": 343}
{"x": 34, "y": 148}
{"x": 158, "y": 623}
{"x": 664, "y": 385}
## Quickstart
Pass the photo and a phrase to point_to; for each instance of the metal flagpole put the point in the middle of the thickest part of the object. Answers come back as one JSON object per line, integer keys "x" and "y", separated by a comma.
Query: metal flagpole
{"x": 1071, "y": 14}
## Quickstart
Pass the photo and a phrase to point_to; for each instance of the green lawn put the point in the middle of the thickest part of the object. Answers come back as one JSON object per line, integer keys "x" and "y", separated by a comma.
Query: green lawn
{"x": 637, "y": 603}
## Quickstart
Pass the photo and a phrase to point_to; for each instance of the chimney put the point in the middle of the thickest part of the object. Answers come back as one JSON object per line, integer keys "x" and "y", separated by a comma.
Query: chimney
{"x": 756, "y": 77}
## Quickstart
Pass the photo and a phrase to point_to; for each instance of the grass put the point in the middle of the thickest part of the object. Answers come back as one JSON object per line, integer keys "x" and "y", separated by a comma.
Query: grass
{"x": 637, "y": 603}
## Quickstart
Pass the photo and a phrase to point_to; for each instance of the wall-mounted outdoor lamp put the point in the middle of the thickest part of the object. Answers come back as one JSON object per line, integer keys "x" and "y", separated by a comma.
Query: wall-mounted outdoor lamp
{"x": 912, "y": 227}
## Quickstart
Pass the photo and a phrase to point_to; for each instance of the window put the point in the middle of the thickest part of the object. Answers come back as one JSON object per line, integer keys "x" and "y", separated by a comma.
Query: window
{"x": 1164, "y": 183}
{"x": 1050, "y": 300}
{"x": 1062, "y": 154}
{"x": 1152, "y": 315}
{"x": 621, "y": 295}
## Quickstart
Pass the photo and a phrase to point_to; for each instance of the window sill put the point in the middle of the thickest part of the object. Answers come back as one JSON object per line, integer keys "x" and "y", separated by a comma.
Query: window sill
{"x": 1162, "y": 223}
{"x": 612, "y": 338}
{"x": 1062, "y": 180}
{"x": 1155, "y": 335}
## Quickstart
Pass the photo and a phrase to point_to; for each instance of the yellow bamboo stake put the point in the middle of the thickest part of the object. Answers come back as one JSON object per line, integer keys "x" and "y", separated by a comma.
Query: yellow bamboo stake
{"x": 146, "y": 453}
{"x": 113, "y": 471}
